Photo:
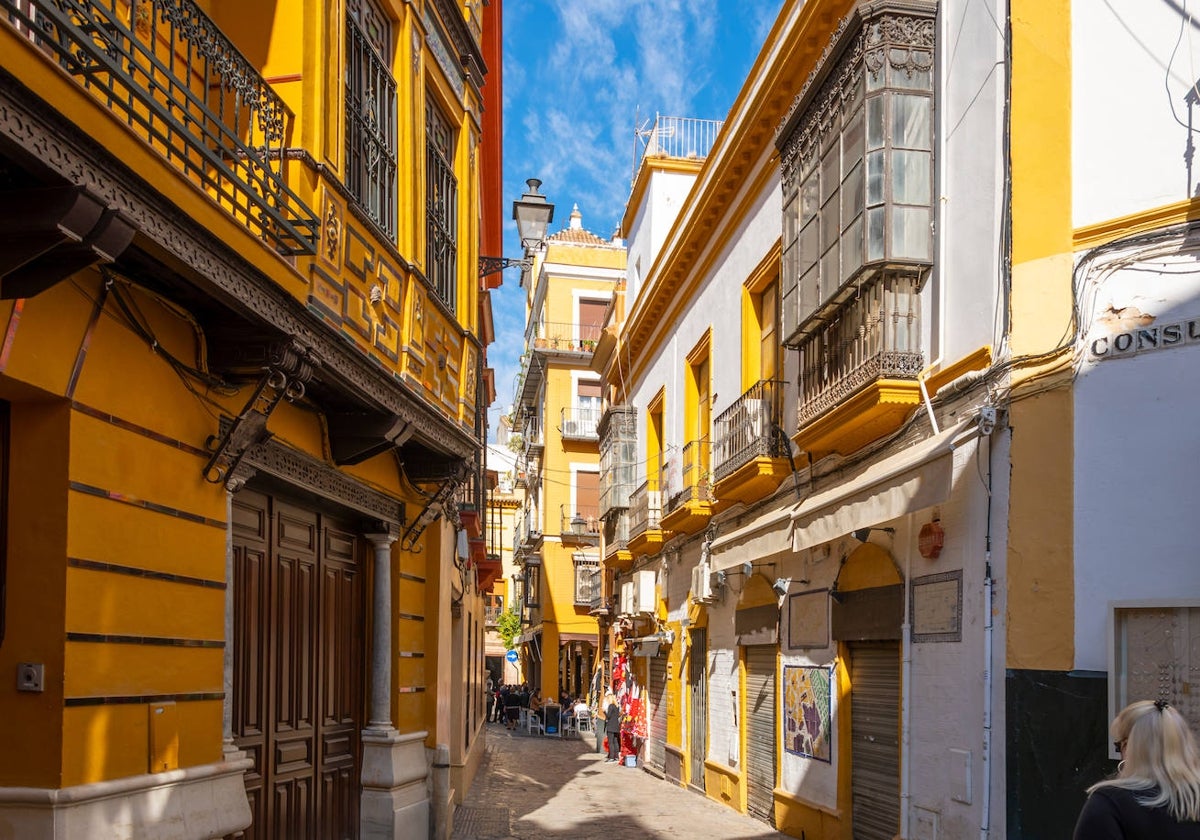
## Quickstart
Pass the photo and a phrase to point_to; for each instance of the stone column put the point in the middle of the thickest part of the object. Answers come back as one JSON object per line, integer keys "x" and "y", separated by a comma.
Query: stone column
{"x": 381, "y": 640}
{"x": 395, "y": 798}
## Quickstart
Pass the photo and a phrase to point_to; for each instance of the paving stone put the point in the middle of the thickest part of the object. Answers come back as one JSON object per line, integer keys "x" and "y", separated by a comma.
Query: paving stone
{"x": 539, "y": 788}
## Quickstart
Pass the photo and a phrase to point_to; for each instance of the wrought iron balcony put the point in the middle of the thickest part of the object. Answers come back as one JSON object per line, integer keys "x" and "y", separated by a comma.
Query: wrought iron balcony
{"x": 552, "y": 337}
{"x": 526, "y": 534}
{"x": 491, "y": 614}
{"x": 695, "y": 485}
{"x": 875, "y": 336}
{"x": 645, "y": 509}
{"x": 750, "y": 428}
{"x": 588, "y": 589}
{"x": 166, "y": 70}
{"x": 616, "y": 532}
{"x": 580, "y": 423}
{"x": 580, "y": 524}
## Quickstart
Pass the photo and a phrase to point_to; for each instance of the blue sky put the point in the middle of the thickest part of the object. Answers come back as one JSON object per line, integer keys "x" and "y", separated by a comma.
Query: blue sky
{"x": 580, "y": 76}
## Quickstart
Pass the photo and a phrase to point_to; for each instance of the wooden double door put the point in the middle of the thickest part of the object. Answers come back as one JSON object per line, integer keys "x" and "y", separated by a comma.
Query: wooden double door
{"x": 298, "y": 667}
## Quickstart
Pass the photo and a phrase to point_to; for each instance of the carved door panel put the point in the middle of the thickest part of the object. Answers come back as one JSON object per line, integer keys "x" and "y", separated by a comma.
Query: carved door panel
{"x": 297, "y": 670}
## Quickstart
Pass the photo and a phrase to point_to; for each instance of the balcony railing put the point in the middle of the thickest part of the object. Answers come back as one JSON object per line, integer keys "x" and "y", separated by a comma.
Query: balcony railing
{"x": 680, "y": 137}
{"x": 616, "y": 531}
{"x": 531, "y": 433}
{"x": 695, "y": 481}
{"x": 645, "y": 509}
{"x": 875, "y": 336}
{"x": 580, "y": 423}
{"x": 166, "y": 70}
{"x": 580, "y": 522}
{"x": 526, "y": 532}
{"x": 491, "y": 614}
{"x": 565, "y": 338}
{"x": 750, "y": 428}
{"x": 587, "y": 581}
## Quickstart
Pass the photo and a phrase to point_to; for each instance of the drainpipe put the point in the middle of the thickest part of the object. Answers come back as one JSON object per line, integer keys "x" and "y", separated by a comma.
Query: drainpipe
{"x": 906, "y": 691}
{"x": 985, "y": 815}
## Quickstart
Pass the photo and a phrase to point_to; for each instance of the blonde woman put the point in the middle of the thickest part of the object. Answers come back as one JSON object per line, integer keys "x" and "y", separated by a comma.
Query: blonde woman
{"x": 1156, "y": 792}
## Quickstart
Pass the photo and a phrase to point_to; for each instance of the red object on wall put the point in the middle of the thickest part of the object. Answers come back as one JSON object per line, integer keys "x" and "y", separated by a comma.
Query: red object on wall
{"x": 931, "y": 539}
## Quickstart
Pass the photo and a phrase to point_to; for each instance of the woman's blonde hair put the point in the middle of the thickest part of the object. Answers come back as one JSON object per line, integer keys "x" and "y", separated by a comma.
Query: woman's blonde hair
{"x": 1158, "y": 751}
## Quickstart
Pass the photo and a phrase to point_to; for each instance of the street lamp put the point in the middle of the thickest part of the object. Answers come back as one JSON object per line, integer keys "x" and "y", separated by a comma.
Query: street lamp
{"x": 533, "y": 214}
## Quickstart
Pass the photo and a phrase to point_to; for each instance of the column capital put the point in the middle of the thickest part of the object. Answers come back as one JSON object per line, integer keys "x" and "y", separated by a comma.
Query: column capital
{"x": 383, "y": 539}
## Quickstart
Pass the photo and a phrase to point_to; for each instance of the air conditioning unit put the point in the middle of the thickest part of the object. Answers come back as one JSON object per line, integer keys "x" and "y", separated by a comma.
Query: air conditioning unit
{"x": 639, "y": 595}
{"x": 702, "y": 588}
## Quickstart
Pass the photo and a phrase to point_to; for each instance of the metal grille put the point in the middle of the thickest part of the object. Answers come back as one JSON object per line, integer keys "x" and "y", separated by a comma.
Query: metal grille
{"x": 370, "y": 117}
{"x": 875, "y": 739}
{"x": 750, "y": 428}
{"x": 165, "y": 69}
{"x": 441, "y": 206}
{"x": 698, "y": 717}
{"x": 760, "y": 731}
{"x": 876, "y": 336}
{"x": 656, "y": 747}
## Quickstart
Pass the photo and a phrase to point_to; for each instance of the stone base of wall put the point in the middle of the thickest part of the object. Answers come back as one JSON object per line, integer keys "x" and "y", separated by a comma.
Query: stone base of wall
{"x": 196, "y": 803}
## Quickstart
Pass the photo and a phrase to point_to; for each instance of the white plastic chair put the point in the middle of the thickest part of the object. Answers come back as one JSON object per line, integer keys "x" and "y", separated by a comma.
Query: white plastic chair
{"x": 534, "y": 722}
{"x": 583, "y": 723}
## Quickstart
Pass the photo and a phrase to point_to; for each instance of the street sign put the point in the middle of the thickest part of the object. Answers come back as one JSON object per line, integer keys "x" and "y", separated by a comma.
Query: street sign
{"x": 511, "y": 656}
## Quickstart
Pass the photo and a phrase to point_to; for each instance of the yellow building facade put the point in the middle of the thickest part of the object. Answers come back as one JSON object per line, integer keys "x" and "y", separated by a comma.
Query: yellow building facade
{"x": 568, "y": 291}
{"x": 240, "y": 383}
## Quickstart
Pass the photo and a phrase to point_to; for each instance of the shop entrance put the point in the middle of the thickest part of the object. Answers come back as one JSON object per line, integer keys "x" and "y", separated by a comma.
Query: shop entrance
{"x": 298, "y": 667}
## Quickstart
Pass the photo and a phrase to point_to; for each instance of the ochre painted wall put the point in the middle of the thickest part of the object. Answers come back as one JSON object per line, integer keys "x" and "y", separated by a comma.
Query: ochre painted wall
{"x": 31, "y": 753}
{"x": 1040, "y": 620}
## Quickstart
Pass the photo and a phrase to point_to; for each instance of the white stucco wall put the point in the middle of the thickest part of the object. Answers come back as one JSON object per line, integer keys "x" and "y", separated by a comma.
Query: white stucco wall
{"x": 665, "y": 195}
{"x": 1137, "y": 445}
{"x": 1132, "y": 63}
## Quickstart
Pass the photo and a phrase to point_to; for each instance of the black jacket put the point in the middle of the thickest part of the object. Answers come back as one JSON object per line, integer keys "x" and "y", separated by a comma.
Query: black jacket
{"x": 612, "y": 719}
{"x": 1113, "y": 813}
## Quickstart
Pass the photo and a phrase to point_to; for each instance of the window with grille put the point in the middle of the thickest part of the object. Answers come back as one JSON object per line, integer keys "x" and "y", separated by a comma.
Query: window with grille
{"x": 441, "y": 210}
{"x": 370, "y": 114}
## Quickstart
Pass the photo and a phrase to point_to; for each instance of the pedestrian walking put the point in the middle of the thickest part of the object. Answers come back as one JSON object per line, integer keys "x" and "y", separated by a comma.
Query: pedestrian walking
{"x": 612, "y": 726}
{"x": 1155, "y": 794}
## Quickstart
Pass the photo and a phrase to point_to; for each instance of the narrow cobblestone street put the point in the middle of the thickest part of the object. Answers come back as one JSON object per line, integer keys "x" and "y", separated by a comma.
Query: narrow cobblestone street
{"x": 535, "y": 788}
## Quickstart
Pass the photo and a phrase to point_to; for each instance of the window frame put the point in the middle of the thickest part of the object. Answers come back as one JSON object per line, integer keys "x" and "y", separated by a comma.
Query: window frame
{"x": 441, "y": 204}
{"x": 373, "y": 186}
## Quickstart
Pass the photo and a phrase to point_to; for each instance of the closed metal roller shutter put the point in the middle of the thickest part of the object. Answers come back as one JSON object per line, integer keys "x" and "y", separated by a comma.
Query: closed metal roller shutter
{"x": 875, "y": 739}
{"x": 697, "y": 711}
{"x": 656, "y": 747}
{"x": 760, "y": 731}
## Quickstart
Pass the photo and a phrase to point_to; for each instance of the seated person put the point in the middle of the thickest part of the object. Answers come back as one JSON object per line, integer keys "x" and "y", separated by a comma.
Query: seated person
{"x": 580, "y": 707}
{"x": 535, "y": 704}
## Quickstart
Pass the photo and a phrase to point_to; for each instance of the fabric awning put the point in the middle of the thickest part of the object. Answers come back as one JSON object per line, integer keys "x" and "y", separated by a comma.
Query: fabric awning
{"x": 769, "y": 533}
{"x": 564, "y": 638}
{"x": 918, "y": 477}
{"x": 915, "y": 478}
